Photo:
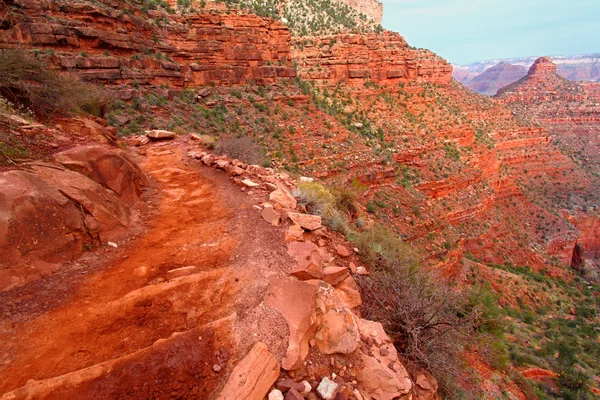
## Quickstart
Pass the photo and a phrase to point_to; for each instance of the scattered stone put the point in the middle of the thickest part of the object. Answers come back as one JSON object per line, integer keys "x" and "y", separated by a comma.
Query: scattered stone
{"x": 271, "y": 216}
{"x": 221, "y": 164}
{"x": 195, "y": 137}
{"x": 335, "y": 275}
{"x": 306, "y": 221}
{"x": 308, "y": 258}
{"x": 348, "y": 292}
{"x": 342, "y": 251}
{"x": 337, "y": 332}
{"x": 327, "y": 389}
{"x": 423, "y": 382}
{"x": 384, "y": 352}
{"x": 285, "y": 385}
{"x": 321, "y": 243}
{"x": 306, "y": 388}
{"x": 275, "y": 395}
{"x": 249, "y": 183}
{"x": 216, "y": 368}
{"x": 362, "y": 271}
{"x": 356, "y": 250}
{"x": 358, "y": 125}
{"x": 253, "y": 376}
{"x": 293, "y": 394}
{"x": 112, "y": 244}
{"x": 294, "y": 233}
{"x": 295, "y": 300}
{"x": 306, "y": 179}
{"x": 283, "y": 197}
{"x": 270, "y": 186}
{"x": 352, "y": 267}
{"x": 234, "y": 170}
{"x": 158, "y": 134}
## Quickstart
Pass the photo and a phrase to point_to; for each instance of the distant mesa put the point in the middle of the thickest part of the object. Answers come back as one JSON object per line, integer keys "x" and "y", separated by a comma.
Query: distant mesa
{"x": 584, "y": 67}
{"x": 542, "y": 67}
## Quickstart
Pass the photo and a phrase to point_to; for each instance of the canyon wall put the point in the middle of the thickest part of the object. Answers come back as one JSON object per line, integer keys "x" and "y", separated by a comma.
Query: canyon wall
{"x": 102, "y": 43}
{"x": 354, "y": 59}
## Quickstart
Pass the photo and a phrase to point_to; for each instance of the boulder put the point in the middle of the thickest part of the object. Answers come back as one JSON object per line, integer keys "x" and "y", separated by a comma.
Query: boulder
{"x": 337, "y": 332}
{"x": 271, "y": 216}
{"x": 342, "y": 251}
{"x": 253, "y": 376}
{"x": 348, "y": 292}
{"x": 335, "y": 275}
{"x": 306, "y": 221}
{"x": 249, "y": 183}
{"x": 308, "y": 258}
{"x": 283, "y": 197}
{"x": 47, "y": 215}
{"x": 294, "y": 233}
{"x": 158, "y": 134}
{"x": 377, "y": 380}
{"x": 295, "y": 300}
{"x": 111, "y": 169}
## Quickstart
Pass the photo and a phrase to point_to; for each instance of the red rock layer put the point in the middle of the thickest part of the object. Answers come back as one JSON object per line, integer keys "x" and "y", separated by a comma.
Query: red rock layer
{"x": 355, "y": 59}
{"x": 102, "y": 42}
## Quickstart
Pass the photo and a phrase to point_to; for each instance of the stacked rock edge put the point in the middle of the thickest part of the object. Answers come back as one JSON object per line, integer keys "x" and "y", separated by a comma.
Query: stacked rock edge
{"x": 91, "y": 190}
{"x": 354, "y": 59}
{"x": 317, "y": 302}
{"x": 205, "y": 48}
{"x": 116, "y": 47}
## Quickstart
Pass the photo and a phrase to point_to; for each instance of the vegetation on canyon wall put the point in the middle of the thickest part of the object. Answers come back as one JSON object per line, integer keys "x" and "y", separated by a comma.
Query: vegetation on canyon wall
{"x": 439, "y": 188}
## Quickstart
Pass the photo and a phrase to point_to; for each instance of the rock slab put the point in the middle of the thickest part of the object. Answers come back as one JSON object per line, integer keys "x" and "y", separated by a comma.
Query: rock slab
{"x": 252, "y": 378}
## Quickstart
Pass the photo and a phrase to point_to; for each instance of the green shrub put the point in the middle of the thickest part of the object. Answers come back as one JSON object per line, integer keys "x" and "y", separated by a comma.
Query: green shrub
{"x": 432, "y": 323}
{"x": 242, "y": 148}
{"x": 25, "y": 80}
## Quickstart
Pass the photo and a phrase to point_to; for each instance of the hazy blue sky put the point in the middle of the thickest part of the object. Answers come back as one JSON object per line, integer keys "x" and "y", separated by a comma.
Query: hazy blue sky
{"x": 463, "y": 31}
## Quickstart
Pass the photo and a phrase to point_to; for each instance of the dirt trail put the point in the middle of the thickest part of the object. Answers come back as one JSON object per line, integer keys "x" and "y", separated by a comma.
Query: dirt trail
{"x": 154, "y": 321}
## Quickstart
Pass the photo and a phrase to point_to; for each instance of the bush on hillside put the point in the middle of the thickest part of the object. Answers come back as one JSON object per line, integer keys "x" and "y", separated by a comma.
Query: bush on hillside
{"x": 242, "y": 148}
{"x": 25, "y": 80}
{"x": 432, "y": 323}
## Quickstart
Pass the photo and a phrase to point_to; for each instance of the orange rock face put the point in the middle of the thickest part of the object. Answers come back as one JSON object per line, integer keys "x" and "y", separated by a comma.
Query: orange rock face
{"x": 353, "y": 59}
{"x": 102, "y": 43}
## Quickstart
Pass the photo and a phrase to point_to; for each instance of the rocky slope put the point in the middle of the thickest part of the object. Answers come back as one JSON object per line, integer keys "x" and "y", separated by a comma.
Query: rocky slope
{"x": 478, "y": 191}
{"x": 570, "y": 112}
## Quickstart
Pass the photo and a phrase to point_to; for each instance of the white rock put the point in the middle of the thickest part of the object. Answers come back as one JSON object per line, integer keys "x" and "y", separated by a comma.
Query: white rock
{"x": 306, "y": 179}
{"x": 249, "y": 183}
{"x": 275, "y": 395}
{"x": 307, "y": 388}
{"x": 327, "y": 389}
{"x": 112, "y": 244}
{"x": 362, "y": 271}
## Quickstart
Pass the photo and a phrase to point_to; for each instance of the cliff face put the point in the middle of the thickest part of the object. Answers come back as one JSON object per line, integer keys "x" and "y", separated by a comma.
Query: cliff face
{"x": 103, "y": 43}
{"x": 353, "y": 59}
{"x": 371, "y": 8}
{"x": 571, "y": 114}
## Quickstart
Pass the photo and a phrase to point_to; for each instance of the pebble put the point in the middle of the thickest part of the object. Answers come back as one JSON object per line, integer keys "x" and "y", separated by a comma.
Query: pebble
{"x": 216, "y": 368}
{"x": 112, "y": 244}
{"x": 275, "y": 395}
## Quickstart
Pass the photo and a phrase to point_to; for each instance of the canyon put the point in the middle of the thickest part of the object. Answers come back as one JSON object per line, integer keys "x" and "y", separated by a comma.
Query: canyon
{"x": 484, "y": 77}
{"x": 486, "y": 190}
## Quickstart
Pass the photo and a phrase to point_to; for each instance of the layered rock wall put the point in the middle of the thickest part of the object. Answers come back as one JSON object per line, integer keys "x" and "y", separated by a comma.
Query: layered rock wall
{"x": 354, "y": 59}
{"x": 104, "y": 43}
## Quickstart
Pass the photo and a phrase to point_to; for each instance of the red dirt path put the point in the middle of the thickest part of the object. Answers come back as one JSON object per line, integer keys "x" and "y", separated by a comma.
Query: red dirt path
{"x": 131, "y": 328}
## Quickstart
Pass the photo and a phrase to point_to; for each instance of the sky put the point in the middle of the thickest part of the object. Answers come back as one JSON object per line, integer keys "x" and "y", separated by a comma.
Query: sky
{"x": 464, "y": 31}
